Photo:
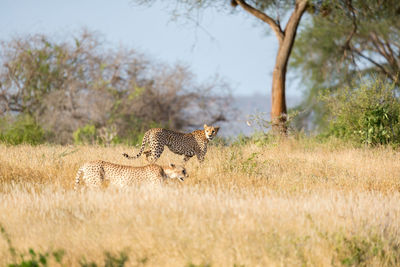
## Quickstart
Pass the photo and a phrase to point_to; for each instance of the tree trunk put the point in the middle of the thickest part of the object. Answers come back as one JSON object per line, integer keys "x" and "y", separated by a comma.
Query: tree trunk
{"x": 278, "y": 108}
{"x": 286, "y": 40}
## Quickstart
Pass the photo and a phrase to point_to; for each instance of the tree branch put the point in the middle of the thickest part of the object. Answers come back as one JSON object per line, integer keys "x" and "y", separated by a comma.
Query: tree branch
{"x": 294, "y": 19}
{"x": 290, "y": 32}
{"x": 392, "y": 53}
{"x": 384, "y": 50}
{"x": 264, "y": 17}
{"x": 354, "y": 22}
{"x": 347, "y": 44}
{"x": 380, "y": 66}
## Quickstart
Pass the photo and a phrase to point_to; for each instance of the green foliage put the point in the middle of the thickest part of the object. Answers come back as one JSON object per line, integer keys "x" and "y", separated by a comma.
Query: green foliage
{"x": 355, "y": 250}
{"x": 85, "y": 135}
{"x": 135, "y": 132}
{"x": 21, "y": 130}
{"x": 64, "y": 83}
{"x": 364, "y": 250}
{"x": 109, "y": 261}
{"x": 219, "y": 141}
{"x": 241, "y": 140}
{"x": 32, "y": 258}
{"x": 8, "y": 240}
{"x": 263, "y": 126}
{"x": 336, "y": 44}
{"x": 133, "y": 135}
{"x": 250, "y": 165}
{"x": 258, "y": 138}
{"x": 115, "y": 261}
{"x": 366, "y": 113}
{"x": 37, "y": 259}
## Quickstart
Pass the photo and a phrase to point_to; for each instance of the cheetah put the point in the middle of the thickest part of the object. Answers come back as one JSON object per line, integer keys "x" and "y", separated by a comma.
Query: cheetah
{"x": 96, "y": 173}
{"x": 187, "y": 144}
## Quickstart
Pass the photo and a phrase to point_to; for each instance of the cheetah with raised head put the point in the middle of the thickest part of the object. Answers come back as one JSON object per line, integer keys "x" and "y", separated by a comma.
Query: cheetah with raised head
{"x": 187, "y": 144}
{"x": 96, "y": 173}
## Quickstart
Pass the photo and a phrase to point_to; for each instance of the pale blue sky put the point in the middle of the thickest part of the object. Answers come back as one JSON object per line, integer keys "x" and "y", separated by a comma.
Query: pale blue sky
{"x": 234, "y": 46}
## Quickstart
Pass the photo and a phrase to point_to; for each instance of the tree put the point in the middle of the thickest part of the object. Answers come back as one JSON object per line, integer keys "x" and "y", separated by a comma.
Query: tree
{"x": 286, "y": 37}
{"x": 76, "y": 85}
{"x": 349, "y": 39}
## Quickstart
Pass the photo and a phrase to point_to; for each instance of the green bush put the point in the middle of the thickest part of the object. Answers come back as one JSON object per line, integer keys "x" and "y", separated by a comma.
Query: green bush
{"x": 366, "y": 112}
{"x": 134, "y": 133}
{"x": 21, "y": 130}
{"x": 85, "y": 135}
{"x": 258, "y": 138}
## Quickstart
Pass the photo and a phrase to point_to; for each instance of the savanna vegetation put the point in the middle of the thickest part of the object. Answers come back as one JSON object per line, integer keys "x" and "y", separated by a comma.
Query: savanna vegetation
{"x": 79, "y": 91}
{"x": 327, "y": 193}
{"x": 285, "y": 202}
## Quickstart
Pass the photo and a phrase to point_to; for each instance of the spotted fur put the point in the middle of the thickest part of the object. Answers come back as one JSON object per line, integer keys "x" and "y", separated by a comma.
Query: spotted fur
{"x": 97, "y": 173}
{"x": 187, "y": 144}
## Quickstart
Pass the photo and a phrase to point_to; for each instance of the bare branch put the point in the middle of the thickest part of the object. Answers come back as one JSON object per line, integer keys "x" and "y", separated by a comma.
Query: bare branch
{"x": 380, "y": 66}
{"x": 264, "y": 17}
{"x": 392, "y": 54}
{"x": 384, "y": 49}
{"x": 347, "y": 43}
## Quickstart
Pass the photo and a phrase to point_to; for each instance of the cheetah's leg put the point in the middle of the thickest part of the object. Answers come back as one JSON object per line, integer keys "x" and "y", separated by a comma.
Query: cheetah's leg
{"x": 96, "y": 180}
{"x": 200, "y": 157}
{"x": 77, "y": 178}
{"x": 186, "y": 158}
{"x": 154, "y": 154}
{"x": 147, "y": 153}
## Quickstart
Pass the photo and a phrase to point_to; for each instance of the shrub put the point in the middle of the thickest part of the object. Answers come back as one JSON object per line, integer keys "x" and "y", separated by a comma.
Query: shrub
{"x": 21, "y": 130}
{"x": 366, "y": 112}
{"x": 68, "y": 82}
{"x": 134, "y": 132}
{"x": 91, "y": 134}
{"x": 85, "y": 135}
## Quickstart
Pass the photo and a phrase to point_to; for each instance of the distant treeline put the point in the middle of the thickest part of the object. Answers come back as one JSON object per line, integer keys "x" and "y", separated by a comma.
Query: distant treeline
{"x": 78, "y": 90}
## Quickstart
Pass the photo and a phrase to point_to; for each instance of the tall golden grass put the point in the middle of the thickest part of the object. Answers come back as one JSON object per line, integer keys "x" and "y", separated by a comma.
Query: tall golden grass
{"x": 290, "y": 203}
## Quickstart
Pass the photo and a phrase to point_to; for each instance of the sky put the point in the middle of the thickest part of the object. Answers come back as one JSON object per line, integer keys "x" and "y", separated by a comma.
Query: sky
{"x": 236, "y": 47}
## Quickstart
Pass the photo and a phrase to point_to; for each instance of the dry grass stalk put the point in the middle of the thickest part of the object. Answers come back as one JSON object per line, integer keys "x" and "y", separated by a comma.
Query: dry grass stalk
{"x": 292, "y": 204}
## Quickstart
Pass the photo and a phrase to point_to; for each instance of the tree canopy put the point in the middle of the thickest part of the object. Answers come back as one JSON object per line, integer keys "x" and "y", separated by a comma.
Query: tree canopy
{"x": 66, "y": 85}
{"x": 347, "y": 39}
{"x": 270, "y": 12}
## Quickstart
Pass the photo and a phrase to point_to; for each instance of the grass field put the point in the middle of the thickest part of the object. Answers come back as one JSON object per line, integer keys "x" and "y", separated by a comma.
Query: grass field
{"x": 283, "y": 204}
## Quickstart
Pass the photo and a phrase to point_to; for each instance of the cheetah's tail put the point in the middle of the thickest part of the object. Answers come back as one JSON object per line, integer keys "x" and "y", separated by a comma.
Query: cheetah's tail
{"x": 77, "y": 178}
{"x": 144, "y": 142}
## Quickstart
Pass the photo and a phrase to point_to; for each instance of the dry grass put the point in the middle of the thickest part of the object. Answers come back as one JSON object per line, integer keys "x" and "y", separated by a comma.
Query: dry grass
{"x": 296, "y": 203}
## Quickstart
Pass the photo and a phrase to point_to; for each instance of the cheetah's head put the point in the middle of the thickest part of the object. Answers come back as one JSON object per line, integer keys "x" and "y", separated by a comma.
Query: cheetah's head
{"x": 176, "y": 171}
{"x": 210, "y": 131}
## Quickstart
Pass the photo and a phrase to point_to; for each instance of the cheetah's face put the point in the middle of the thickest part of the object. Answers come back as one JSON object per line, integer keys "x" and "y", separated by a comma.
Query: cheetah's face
{"x": 210, "y": 131}
{"x": 176, "y": 171}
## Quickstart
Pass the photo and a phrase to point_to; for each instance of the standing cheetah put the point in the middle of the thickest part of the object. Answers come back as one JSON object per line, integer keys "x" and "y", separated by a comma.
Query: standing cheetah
{"x": 188, "y": 144}
{"x": 95, "y": 173}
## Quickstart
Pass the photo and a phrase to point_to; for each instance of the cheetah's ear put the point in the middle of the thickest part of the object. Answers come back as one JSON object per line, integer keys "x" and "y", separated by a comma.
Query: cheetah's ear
{"x": 216, "y": 129}
{"x": 172, "y": 165}
{"x": 205, "y": 126}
